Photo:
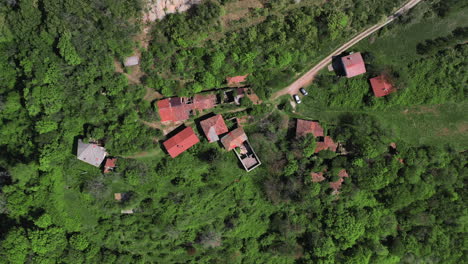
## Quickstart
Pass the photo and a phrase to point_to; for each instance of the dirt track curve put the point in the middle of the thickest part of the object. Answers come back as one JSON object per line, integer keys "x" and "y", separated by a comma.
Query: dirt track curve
{"x": 309, "y": 76}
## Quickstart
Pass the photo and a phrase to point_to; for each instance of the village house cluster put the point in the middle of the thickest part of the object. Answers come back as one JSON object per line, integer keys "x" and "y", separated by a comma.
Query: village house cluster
{"x": 354, "y": 65}
{"x": 179, "y": 109}
{"x": 175, "y": 109}
{"x": 215, "y": 130}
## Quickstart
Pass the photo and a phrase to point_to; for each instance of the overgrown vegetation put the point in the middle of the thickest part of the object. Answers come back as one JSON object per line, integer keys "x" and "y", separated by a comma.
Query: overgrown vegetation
{"x": 184, "y": 58}
{"x": 403, "y": 205}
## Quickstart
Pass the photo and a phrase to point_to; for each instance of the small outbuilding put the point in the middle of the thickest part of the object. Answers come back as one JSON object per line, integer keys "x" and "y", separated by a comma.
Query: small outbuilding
{"x": 381, "y": 86}
{"x": 118, "y": 196}
{"x": 109, "y": 165}
{"x": 353, "y": 64}
{"x": 214, "y": 127}
{"x": 181, "y": 142}
{"x": 131, "y": 61}
{"x": 90, "y": 153}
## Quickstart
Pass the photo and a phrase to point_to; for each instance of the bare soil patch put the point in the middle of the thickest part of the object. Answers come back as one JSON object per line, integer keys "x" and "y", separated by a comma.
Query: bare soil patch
{"x": 158, "y": 9}
{"x": 152, "y": 95}
{"x": 240, "y": 9}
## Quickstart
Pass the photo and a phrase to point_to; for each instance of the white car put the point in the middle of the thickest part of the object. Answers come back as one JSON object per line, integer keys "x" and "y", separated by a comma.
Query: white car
{"x": 303, "y": 91}
{"x": 297, "y": 99}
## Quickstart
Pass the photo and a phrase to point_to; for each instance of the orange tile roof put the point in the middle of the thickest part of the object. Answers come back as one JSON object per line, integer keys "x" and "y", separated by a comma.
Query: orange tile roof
{"x": 317, "y": 176}
{"x": 109, "y": 165}
{"x": 328, "y": 143}
{"x": 337, "y": 184}
{"x": 181, "y": 142}
{"x": 381, "y": 86}
{"x": 304, "y": 127}
{"x": 234, "y": 139}
{"x": 213, "y": 127}
{"x": 203, "y": 102}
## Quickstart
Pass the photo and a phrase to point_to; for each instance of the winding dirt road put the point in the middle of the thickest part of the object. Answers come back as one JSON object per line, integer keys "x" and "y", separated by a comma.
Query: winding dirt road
{"x": 308, "y": 77}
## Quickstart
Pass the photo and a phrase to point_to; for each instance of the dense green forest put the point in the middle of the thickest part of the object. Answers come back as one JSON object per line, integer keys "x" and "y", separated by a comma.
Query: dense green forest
{"x": 402, "y": 204}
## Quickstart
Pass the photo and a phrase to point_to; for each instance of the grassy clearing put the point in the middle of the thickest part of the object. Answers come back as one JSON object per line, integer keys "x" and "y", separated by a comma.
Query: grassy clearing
{"x": 397, "y": 44}
{"x": 395, "y": 47}
{"x": 419, "y": 125}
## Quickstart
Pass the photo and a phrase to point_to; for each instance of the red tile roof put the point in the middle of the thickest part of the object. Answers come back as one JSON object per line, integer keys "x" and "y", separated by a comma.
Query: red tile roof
{"x": 213, "y": 127}
{"x": 353, "y": 64}
{"x": 326, "y": 144}
{"x": 317, "y": 176}
{"x": 181, "y": 142}
{"x": 381, "y": 86}
{"x": 236, "y": 79}
{"x": 337, "y": 185}
{"x": 203, "y": 102}
{"x": 234, "y": 139}
{"x": 178, "y": 109}
{"x": 109, "y": 165}
{"x": 165, "y": 111}
{"x": 172, "y": 109}
{"x": 304, "y": 127}
{"x": 343, "y": 173}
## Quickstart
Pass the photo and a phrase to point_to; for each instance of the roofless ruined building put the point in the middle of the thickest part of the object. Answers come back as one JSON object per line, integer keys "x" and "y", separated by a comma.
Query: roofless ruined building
{"x": 237, "y": 140}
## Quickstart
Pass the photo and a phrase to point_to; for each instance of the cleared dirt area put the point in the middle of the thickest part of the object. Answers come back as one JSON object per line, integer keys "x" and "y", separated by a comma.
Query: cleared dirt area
{"x": 240, "y": 9}
{"x": 151, "y": 95}
{"x": 167, "y": 127}
{"x": 158, "y": 9}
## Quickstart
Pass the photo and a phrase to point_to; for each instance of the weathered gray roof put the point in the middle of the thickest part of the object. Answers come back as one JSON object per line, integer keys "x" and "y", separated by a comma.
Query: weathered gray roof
{"x": 131, "y": 61}
{"x": 212, "y": 135}
{"x": 90, "y": 153}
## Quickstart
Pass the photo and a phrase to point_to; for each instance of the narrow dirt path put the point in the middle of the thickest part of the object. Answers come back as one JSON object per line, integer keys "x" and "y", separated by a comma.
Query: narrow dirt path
{"x": 308, "y": 77}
